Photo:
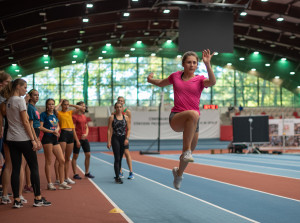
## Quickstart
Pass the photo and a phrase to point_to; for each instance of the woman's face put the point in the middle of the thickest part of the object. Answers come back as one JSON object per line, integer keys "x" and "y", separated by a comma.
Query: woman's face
{"x": 190, "y": 64}
{"x": 65, "y": 106}
{"x": 35, "y": 97}
{"x": 83, "y": 107}
{"x": 22, "y": 89}
{"x": 4, "y": 83}
{"x": 50, "y": 105}
{"x": 119, "y": 108}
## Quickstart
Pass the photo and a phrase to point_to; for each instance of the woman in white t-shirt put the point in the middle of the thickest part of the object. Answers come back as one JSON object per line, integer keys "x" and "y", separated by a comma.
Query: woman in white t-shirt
{"x": 21, "y": 140}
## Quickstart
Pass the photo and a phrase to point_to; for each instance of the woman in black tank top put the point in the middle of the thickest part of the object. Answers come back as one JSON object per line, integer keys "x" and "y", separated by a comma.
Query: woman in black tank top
{"x": 118, "y": 137}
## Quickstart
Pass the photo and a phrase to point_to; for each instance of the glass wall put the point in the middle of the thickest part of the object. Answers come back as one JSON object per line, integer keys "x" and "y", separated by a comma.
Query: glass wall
{"x": 101, "y": 82}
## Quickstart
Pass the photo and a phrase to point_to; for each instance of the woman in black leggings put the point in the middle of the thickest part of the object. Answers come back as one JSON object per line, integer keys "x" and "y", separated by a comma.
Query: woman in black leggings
{"x": 21, "y": 140}
{"x": 118, "y": 137}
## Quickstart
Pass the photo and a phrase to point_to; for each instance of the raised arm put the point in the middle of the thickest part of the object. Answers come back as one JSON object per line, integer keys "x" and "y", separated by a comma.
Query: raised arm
{"x": 206, "y": 56}
{"x": 57, "y": 106}
{"x": 158, "y": 82}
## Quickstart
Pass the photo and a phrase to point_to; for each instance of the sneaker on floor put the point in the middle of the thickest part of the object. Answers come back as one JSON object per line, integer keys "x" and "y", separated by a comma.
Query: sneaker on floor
{"x": 28, "y": 189}
{"x": 177, "y": 179}
{"x": 187, "y": 156}
{"x": 51, "y": 186}
{"x": 89, "y": 175}
{"x": 17, "y": 204}
{"x": 42, "y": 202}
{"x": 77, "y": 177}
{"x": 5, "y": 200}
{"x": 69, "y": 181}
{"x": 23, "y": 200}
{"x": 64, "y": 186}
{"x": 118, "y": 180}
{"x": 121, "y": 175}
{"x": 131, "y": 176}
{"x": 57, "y": 182}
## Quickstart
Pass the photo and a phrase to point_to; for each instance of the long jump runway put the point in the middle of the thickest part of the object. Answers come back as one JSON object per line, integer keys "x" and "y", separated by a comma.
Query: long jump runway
{"x": 216, "y": 188}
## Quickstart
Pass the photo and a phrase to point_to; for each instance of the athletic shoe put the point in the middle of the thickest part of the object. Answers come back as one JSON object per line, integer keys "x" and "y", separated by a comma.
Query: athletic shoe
{"x": 28, "y": 189}
{"x": 57, "y": 182}
{"x": 118, "y": 180}
{"x": 121, "y": 175}
{"x": 89, "y": 175}
{"x": 69, "y": 181}
{"x": 42, "y": 202}
{"x": 187, "y": 156}
{"x": 23, "y": 200}
{"x": 17, "y": 204}
{"x": 50, "y": 186}
{"x": 5, "y": 200}
{"x": 177, "y": 179}
{"x": 130, "y": 177}
{"x": 77, "y": 177}
{"x": 64, "y": 186}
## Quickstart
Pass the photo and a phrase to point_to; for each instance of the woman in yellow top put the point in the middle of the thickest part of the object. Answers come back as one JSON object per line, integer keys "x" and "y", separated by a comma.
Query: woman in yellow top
{"x": 66, "y": 139}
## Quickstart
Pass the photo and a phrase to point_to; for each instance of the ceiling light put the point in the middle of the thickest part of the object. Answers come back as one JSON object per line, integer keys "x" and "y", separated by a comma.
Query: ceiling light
{"x": 256, "y": 52}
{"x": 89, "y": 5}
{"x": 283, "y": 59}
{"x": 119, "y": 26}
{"x": 298, "y": 87}
{"x": 216, "y": 53}
{"x": 45, "y": 55}
{"x": 139, "y": 42}
{"x": 45, "y": 48}
{"x": 243, "y": 13}
{"x": 272, "y": 45}
{"x": 253, "y": 69}
{"x": 6, "y": 49}
{"x": 166, "y": 11}
{"x": 46, "y": 61}
{"x": 113, "y": 36}
{"x": 135, "y": 0}
{"x": 155, "y": 23}
{"x": 280, "y": 19}
{"x": 146, "y": 33}
{"x": 126, "y": 14}
{"x": 44, "y": 38}
{"x": 75, "y": 56}
{"x": 10, "y": 58}
{"x": 242, "y": 38}
{"x": 42, "y": 13}
{"x": 267, "y": 64}
{"x": 292, "y": 36}
{"x": 277, "y": 77}
{"x": 17, "y": 71}
{"x": 81, "y": 31}
{"x": 242, "y": 58}
{"x": 104, "y": 51}
{"x": 43, "y": 27}
{"x": 100, "y": 58}
{"x": 178, "y": 56}
{"x": 292, "y": 73}
{"x": 14, "y": 64}
{"x": 79, "y": 41}
{"x": 19, "y": 75}
{"x": 132, "y": 49}
{"x": 169, "y": 41}
{"x": 77, "y": 49}
{"x": 153, "y": 54}
{"x": 73, "y": 61}
{"x": 264, "y": 0}
{"x": 259, "y": 29}
{"x": 127, "y": 55}
{"x": 46, "y": 68}
{"x": 229, "y": 64}
{"x": 85, "y": 20}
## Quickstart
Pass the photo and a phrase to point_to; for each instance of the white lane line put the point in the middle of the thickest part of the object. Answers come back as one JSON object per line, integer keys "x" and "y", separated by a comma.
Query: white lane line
{"x": 236, "y": 169}
{"x": 234, "y": 185}
{"x": 107, "y": 197}
{"x": 178, "y": 191}
{"x": 248, "y": 160}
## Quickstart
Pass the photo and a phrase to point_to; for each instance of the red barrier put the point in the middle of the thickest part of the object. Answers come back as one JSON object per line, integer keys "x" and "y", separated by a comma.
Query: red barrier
{"x": 93, "y": 135}
{"x": 226, "y": 133}
{"x": 103, "y": 133}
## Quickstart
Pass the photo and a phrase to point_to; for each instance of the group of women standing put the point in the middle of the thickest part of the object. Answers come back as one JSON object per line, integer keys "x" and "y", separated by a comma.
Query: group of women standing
{"x": 22, "y": 126}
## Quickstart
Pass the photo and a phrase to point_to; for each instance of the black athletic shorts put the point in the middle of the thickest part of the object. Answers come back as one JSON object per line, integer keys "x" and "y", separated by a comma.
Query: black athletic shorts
{"x": 174, "y": 113}
{"x": 49, "y": 139}
{"x": 84, "y": 144}
{"x": 66, "y": 136}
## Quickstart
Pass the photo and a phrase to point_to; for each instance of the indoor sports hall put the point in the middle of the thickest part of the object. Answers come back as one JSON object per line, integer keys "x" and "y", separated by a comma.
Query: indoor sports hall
{"x": 150, "y": 111}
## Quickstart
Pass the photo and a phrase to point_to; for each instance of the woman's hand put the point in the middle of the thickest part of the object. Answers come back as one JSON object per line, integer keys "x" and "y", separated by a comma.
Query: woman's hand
{"x": 150, "y": 77}
{"x": 78, "y": 144}
{"x": 34, "y": 145}
{"x": 206, "y": 56}
{"x": 126, "y": 142}
{"x": 108, "y": 145}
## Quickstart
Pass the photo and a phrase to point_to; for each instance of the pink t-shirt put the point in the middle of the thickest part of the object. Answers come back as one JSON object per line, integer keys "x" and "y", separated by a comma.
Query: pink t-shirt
{"x": 186, "y": 93}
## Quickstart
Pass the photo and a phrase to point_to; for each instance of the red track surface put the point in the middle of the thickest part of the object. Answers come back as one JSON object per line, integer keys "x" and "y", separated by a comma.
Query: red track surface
{"x": 83, "y": 203}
